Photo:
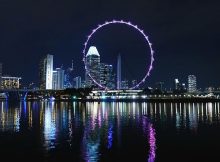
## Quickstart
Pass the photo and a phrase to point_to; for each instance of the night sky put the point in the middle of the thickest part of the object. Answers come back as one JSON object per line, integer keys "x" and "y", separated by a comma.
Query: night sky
{"x": 185, "y": 36}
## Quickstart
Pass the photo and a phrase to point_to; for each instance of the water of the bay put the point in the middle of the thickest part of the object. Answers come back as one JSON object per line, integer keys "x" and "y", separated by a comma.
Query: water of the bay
{"x": 109, "y": 131}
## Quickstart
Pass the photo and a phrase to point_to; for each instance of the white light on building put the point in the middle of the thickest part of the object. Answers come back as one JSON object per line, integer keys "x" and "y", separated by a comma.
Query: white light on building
{"x": 93, "y": 66}
{"x": 49, "y": 73}
{"x": 46, "y": 72}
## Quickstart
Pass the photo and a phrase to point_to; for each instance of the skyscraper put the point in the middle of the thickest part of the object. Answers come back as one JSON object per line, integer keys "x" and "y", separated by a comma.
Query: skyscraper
{"x": 119, "y": 72}
{"x": 192, "y": 84}
{"x": 102, "y": 74}
{"x": 92, "y": 63}
{"x": 46, "y": 72}
{"x": 107, "y": 76}
{"x": 55, "y": 82}
{"x": 58, "y": 79}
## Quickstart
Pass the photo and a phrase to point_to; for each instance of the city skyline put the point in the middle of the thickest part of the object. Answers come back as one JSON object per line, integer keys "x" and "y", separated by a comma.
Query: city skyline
{"x": 116, "y": 80}
{"x": 182, "y": 40}
{"x": 70, "y": 81}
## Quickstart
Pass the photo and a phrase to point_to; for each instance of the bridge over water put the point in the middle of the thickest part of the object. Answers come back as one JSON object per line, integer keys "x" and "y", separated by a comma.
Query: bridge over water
{"x": 30, "y": 94}
{"x": 14, "y": 94}
{"x": 19, "y": 94}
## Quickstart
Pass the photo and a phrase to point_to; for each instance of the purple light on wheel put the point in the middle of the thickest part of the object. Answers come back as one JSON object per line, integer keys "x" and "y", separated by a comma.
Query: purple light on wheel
{"x": 148, "y": 69}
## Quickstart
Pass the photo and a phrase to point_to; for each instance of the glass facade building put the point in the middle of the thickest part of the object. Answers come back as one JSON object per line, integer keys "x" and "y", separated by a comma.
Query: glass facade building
{"x": 107, "y": 76}
{"x": 46, "y": 72}
{"x": 58, "y": 79}
{"x": 92, "y": 63}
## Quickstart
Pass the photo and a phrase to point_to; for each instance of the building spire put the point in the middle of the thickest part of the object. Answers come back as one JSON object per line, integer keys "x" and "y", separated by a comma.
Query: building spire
{"x": 119, "y": 71}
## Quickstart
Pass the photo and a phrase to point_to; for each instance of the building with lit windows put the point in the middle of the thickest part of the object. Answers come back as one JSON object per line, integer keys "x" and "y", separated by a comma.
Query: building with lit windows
{"x": 107, "y": 76}
{"x": 46, "y": 72}
{"x": 8, "y": 82}
{"x": 58, "y": 79}
{"x": 192, "y": 84}
{"x": 92, "y": 62}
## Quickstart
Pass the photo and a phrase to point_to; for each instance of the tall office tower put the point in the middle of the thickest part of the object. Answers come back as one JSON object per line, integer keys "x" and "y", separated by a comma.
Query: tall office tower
{"x": 77, "y": 82}
{"x": 119, "y": 72}
{"x": 93, "y": 66}
{"x": 55, "y": 82}
{"x": 46, "y": 72}
{"x": 192, "y": 84}
{"x": 58, "y": 79}
{"x": 102, "y": 74}
{"x": 0, "y": 75}
{"x": 106, "y": 75}
{"x": 68, "y": 77}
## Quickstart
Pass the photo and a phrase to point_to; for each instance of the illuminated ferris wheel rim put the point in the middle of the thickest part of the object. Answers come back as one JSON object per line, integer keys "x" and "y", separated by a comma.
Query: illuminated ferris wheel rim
{"x": 149, "y": 68}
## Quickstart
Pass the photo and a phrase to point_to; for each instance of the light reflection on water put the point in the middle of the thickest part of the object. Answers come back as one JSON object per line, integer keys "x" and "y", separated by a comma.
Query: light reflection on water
{"x": 49, "y": 128}
{"x": 103, "y": 127}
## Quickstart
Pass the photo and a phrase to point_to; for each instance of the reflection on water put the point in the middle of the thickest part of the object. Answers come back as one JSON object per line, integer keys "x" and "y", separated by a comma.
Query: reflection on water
{"x": 10, "y": 118}
{"x": 99, "y": 131}
{"x": 49, "y": 125}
